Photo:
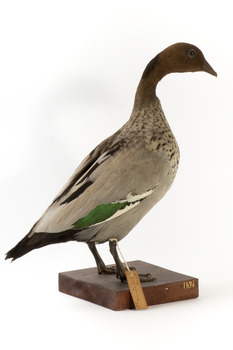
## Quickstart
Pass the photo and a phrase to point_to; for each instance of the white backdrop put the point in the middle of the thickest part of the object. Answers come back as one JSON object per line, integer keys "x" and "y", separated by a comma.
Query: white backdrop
{"x": 68, "y": 74}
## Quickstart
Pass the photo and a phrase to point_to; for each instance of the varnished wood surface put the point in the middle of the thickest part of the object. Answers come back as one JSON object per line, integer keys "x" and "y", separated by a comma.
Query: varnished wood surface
{"x": 108, "y": 291}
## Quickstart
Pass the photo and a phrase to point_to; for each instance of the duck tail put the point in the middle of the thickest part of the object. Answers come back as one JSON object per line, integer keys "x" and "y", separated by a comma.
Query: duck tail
{"x": 38, "y": 240}
{"x": 21, "y": 248}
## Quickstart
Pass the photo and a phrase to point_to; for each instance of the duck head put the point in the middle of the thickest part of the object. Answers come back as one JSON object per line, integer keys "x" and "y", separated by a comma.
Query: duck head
{"x": 178, "y": 58}
{"x": 183, "y": 57}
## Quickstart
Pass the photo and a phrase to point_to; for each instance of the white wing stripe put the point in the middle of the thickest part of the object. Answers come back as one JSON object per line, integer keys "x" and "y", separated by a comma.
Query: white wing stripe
{"x": 137, "y": 197}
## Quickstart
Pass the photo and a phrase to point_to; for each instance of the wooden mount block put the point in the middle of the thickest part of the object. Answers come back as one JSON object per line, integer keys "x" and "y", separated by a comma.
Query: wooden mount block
{"x": 110, "y": 292}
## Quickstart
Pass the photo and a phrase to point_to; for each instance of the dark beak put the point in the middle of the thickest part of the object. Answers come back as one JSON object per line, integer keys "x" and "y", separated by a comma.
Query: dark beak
{"x": 206, "y": 67}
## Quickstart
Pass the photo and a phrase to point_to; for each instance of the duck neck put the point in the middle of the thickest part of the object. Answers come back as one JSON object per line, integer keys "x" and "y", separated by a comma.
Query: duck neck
{"x": 146, "y": 90}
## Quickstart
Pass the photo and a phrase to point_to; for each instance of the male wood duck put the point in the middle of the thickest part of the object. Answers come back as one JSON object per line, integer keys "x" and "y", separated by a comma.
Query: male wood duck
{"x": 124, "y": 176}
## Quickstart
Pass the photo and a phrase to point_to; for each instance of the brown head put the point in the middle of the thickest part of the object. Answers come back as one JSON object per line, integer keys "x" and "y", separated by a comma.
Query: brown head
{"x": 183, "y": 57}
{"x": 177, "y": 58}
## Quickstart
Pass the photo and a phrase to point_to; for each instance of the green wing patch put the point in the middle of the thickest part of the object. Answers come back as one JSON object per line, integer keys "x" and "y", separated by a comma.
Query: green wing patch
{"x": 99, "y": 214}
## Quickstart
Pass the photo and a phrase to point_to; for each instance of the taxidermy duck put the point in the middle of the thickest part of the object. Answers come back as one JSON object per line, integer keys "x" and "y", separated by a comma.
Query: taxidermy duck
{"x": 124, "y": 176}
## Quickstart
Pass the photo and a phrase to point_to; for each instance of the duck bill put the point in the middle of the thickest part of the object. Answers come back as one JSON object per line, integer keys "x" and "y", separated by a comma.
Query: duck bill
{"x": 206, "y": 67}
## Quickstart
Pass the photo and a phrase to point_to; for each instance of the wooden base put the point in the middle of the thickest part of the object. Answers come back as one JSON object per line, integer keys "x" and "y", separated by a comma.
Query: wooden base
{"x": 108, "y": 291}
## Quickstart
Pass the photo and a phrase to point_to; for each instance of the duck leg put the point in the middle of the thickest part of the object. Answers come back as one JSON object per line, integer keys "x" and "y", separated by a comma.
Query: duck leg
{"x": 120, "y": 268}
{"x": 101, "y": 267}
{"x": 119, "y": 265}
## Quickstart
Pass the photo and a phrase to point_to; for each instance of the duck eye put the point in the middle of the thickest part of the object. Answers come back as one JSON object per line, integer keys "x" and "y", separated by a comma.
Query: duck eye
{"x": 191, "y": 53}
